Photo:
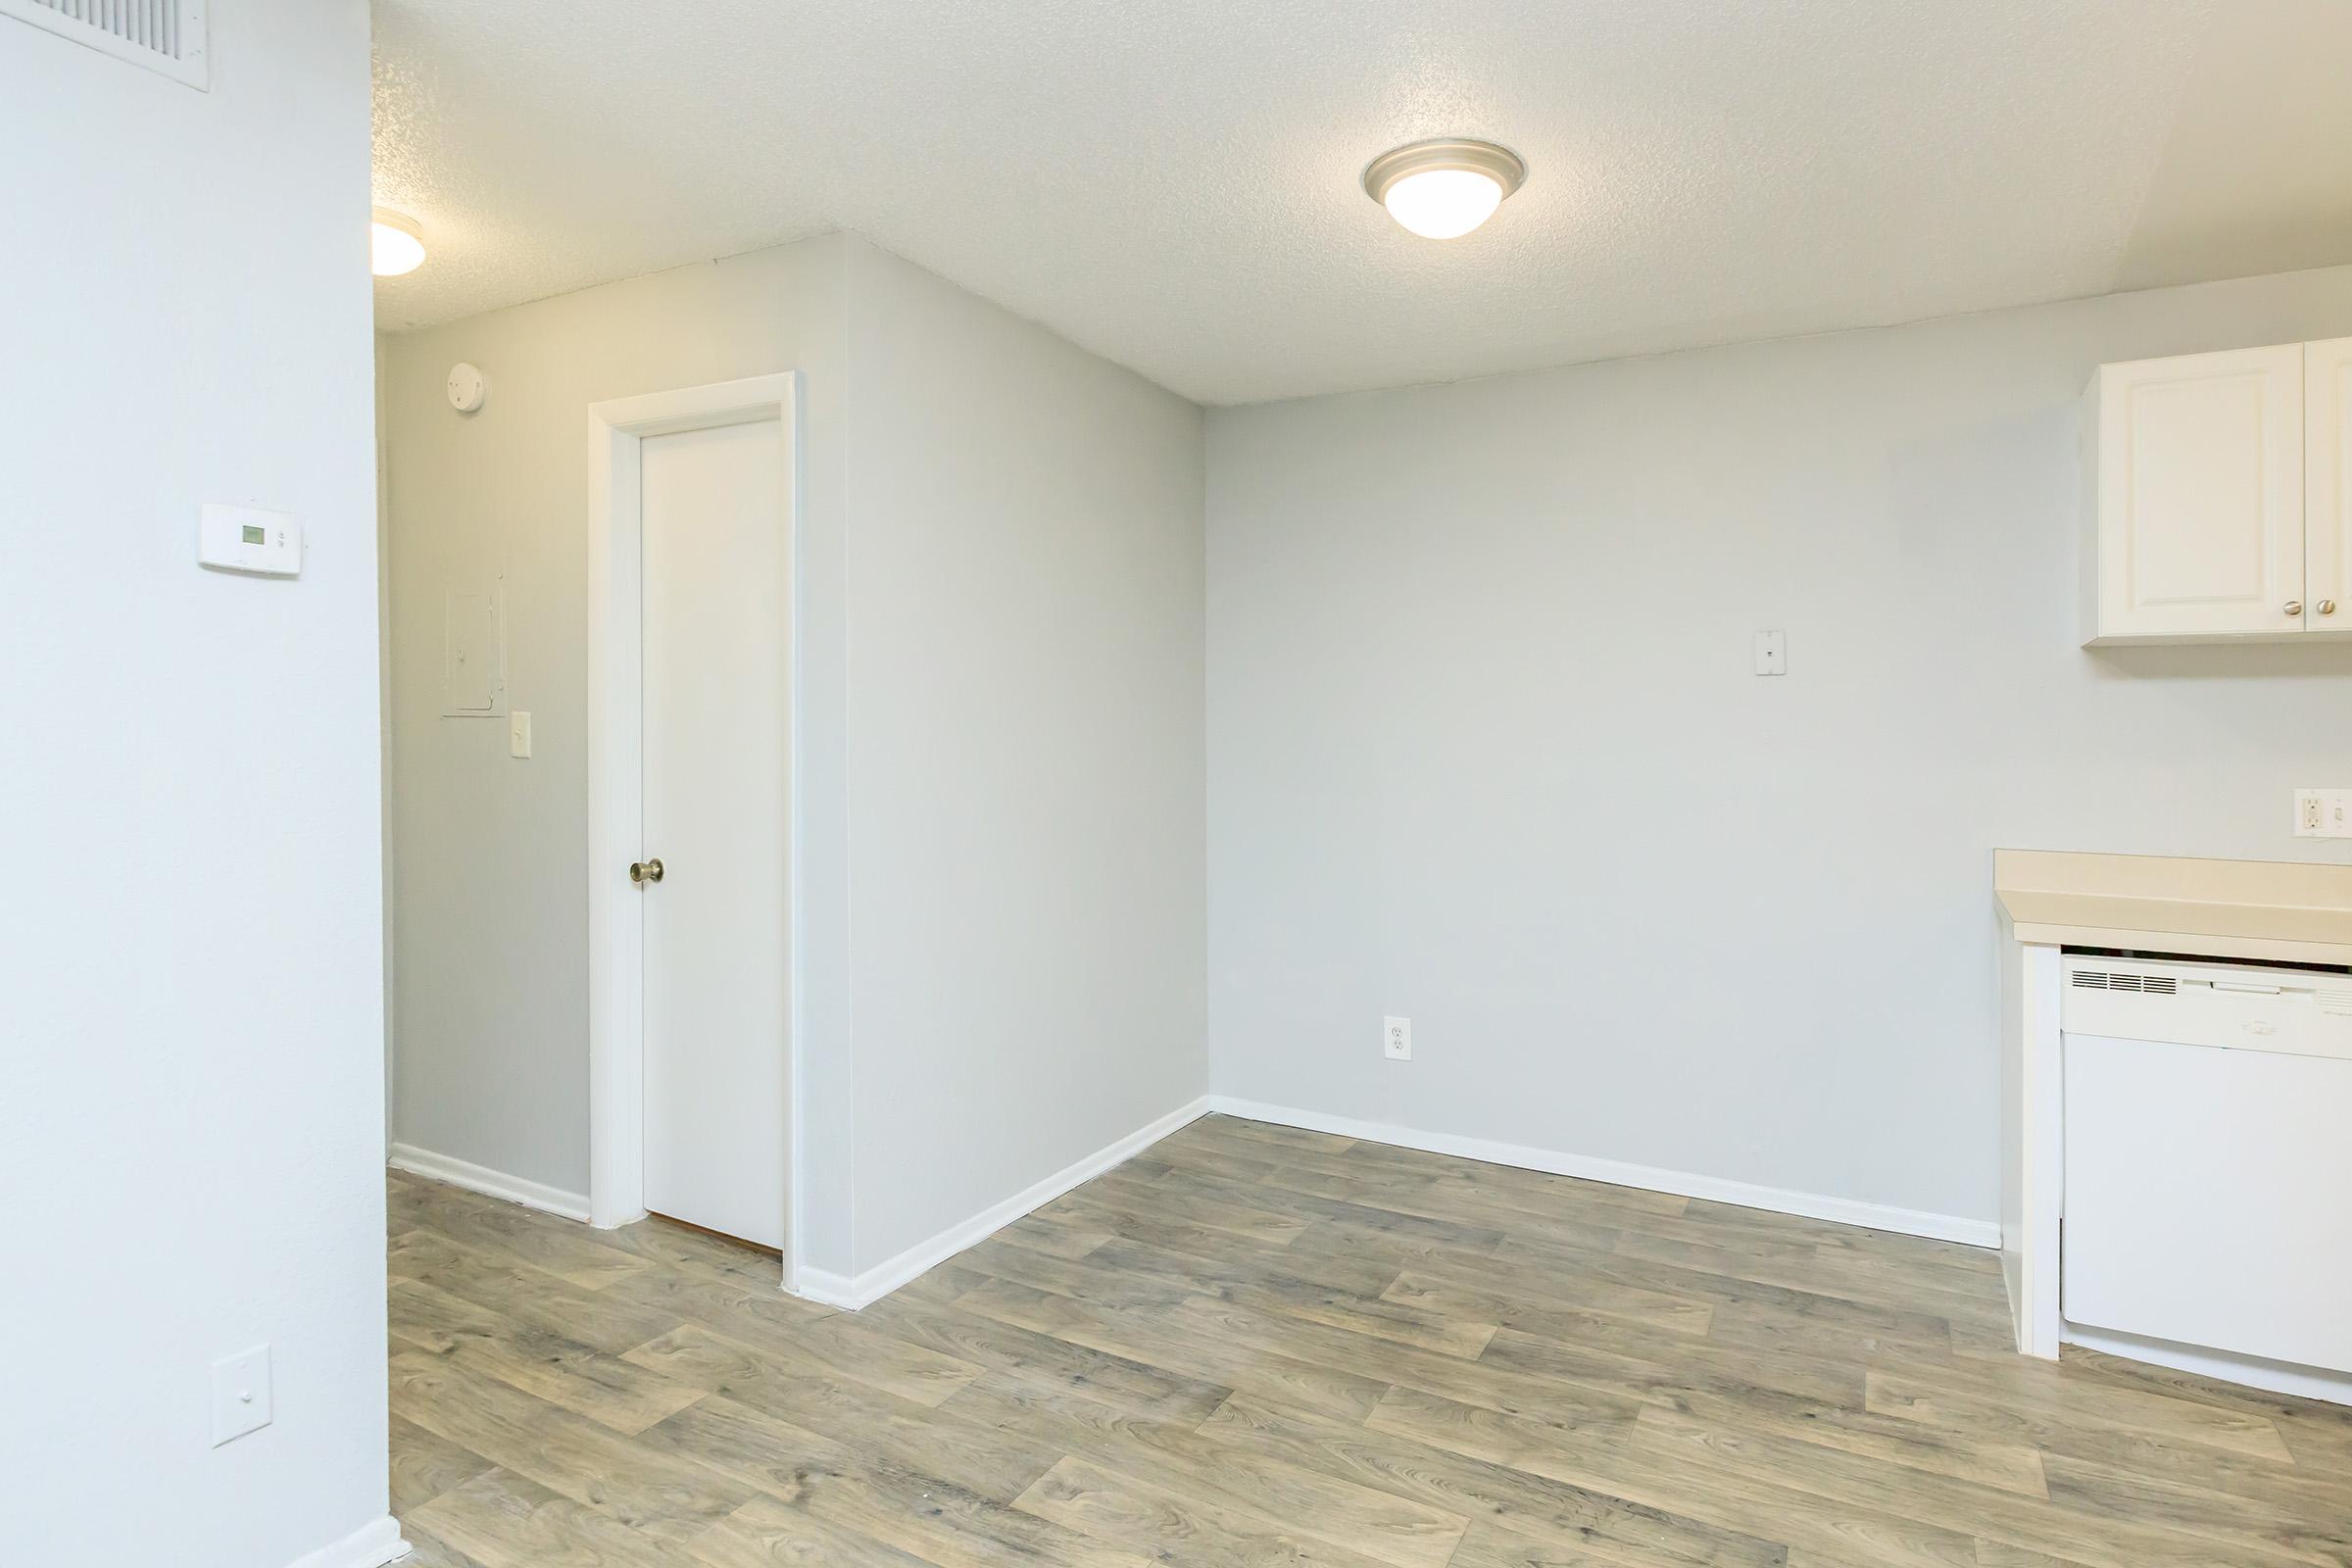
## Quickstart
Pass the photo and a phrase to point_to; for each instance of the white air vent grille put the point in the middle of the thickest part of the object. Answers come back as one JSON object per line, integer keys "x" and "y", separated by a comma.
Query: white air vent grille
{"x": 166, "y": 36}
{"x": 2154, "y": 985}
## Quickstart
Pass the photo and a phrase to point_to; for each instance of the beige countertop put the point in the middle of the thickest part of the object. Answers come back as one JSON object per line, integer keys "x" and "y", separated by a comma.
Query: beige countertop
{"x": 2283, "y": 911}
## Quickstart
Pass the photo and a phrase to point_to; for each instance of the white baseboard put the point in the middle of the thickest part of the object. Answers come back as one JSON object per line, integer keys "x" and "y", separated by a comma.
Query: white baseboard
{"x": 823, "y": 1286}
{"x": 371, "y": 1545}
{"x": 855, "y": 1290}
{"x": 1617, "y": 1173}
{"x": 2273, "y": 1377}
{"x": 493, "y": 1183}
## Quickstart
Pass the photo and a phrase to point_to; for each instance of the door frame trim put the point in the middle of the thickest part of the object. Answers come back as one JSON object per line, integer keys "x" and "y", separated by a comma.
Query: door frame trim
{"x": 616, "y": 431}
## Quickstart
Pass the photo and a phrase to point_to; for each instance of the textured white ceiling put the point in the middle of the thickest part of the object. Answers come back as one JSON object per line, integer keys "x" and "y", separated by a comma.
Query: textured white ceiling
{"x": 1173, "y": 183}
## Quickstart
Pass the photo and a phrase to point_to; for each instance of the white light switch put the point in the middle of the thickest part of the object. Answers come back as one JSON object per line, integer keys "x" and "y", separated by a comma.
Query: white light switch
{"x": 1772, "y": 653}
{"x": 267, "y": 544}
{"x": 240, "y": 1394}
{"x": 518, "y": 733}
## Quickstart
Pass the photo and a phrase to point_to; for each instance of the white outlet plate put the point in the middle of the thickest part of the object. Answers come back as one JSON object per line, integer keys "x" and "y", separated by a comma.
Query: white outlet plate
{"x": 1396, "y": 1039}
{"x": 519, "y": 732}
{"x": 240, "y": 1394}
{"x": 2323, "y": 813}
{"x": 1772, "y": 653}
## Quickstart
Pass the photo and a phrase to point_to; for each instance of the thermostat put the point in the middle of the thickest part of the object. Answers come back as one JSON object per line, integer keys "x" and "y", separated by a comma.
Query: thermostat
{"x": 248, "y": 539}
{"x": 467, "y": 387}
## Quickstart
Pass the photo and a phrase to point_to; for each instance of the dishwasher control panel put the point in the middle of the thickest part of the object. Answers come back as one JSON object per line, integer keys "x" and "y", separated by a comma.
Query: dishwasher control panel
{"x": 2296, "y": 1012}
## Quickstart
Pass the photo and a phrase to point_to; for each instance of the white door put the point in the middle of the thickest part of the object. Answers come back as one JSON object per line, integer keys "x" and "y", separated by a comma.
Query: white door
{"x": 2200, "y": 495}
{"x": 716, "y": 810}
{"x": 2328, "y": 485}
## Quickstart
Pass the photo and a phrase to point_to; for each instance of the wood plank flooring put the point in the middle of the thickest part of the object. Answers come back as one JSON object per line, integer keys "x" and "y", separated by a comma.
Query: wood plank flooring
{"x": 1256, "y": 1346}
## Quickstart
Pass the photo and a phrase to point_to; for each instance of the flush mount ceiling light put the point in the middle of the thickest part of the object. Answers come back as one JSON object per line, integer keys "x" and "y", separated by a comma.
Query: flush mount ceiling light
{"x": 395, "y": 244}
{"x": 1443, "y": 189}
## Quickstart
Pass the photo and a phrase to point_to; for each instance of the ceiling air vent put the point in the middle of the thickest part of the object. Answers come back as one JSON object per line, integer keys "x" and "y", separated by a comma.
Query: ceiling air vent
{"x": 166, "y": 36}
{"x": 2154, "y": 985}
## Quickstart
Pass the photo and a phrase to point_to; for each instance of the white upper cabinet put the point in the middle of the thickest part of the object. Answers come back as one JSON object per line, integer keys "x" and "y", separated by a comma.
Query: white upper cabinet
{"x": 2196, "y": 524}
{"x": 2328, "y": 485}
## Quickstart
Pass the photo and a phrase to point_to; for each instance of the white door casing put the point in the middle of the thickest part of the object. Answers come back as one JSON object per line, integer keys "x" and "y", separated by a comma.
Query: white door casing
{"x": 616, "y": 797}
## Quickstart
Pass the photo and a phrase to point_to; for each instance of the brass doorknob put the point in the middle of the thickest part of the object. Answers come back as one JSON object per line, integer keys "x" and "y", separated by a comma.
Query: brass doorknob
{"x": 2294, "y": 607}
{"x": 644, "y": 872}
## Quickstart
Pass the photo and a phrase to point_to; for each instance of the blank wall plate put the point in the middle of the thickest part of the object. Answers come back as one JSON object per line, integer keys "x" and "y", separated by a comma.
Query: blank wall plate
{"x": 1396, "y": 1039}
{"x": 519, "y": 732}
{"x": 473, "y": 652}
{"x": 240, "y": 1394}
{"x": 1772, "y": 653}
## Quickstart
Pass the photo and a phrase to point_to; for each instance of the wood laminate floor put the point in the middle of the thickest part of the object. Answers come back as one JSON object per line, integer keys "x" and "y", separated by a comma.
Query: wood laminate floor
{"x": 1253, "y": 1346}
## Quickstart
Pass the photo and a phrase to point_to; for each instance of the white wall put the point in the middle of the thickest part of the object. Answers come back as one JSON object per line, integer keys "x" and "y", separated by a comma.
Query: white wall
{"x": 1000, "y": 662}
{"x": 1026, "y": 802}
{"x": 192, "y": 1132}
{"x": 1486, "y": 750}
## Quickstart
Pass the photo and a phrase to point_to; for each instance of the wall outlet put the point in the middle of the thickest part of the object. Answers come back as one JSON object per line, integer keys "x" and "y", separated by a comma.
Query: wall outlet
{"x": 2323, "y": 813}
{"x": 1396, "y": 1039}
{"x": 240, "y": 1394}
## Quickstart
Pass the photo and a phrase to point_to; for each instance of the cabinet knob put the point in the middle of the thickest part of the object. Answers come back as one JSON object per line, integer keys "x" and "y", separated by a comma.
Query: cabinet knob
{"x": 2294, "y": 607}
{"x": 2326, "y": 607}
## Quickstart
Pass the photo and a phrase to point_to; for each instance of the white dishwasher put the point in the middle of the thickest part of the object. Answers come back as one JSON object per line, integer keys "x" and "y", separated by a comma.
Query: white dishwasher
{"x": 2208, "y": 1184}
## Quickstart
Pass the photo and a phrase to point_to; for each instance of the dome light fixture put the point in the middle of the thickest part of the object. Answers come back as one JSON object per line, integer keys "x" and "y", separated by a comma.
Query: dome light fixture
{"x": 395, "y": 244}
{"x": 1443, "y": 189}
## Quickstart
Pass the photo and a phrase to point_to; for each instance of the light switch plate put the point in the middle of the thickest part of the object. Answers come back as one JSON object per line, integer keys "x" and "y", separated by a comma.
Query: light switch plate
{"x": 1772, "y": 653}
{"x": 240, "y": 1394}
{"x": 247, "y": 539}
{"x": 519, "y": 732}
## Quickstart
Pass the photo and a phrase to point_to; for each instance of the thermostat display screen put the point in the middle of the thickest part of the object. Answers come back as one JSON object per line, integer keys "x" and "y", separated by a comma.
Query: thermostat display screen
{"x": 253, "y": 535}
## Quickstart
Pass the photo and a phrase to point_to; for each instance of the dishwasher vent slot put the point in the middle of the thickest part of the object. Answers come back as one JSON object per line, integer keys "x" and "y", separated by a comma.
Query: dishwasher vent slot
{"x": 2154, "y": 985}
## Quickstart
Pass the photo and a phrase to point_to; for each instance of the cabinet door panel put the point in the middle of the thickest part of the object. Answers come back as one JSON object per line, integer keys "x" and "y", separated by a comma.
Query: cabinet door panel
{"x": 2328, "y": 485}
{"x": 2200, "y": 518}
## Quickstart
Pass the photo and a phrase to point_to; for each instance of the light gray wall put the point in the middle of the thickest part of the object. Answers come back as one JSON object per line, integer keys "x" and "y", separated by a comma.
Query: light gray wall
{"x": 191, "y": 1130}
{"x": 1001, "y": 738}
{"x": 1485, "y": 748}
{"x": 1027, "y": 781}
{"x": 490, "y": 881}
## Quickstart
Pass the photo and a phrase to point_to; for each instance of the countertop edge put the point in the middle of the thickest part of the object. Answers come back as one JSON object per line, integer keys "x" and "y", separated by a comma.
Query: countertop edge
{"x": 2290, "y": 911}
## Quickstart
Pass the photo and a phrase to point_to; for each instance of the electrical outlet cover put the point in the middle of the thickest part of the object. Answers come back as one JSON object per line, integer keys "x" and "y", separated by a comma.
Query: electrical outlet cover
{"x": 1396, "y": 1039}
